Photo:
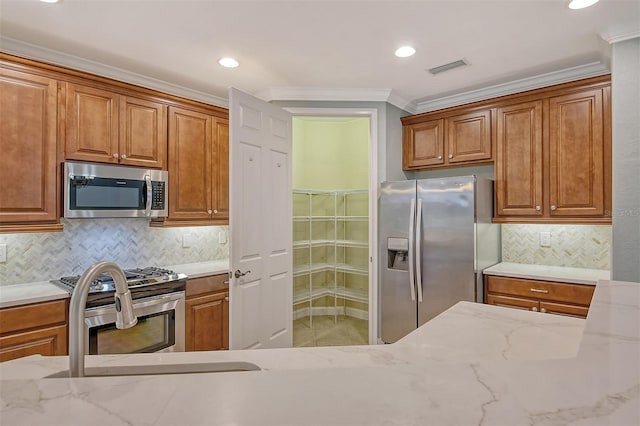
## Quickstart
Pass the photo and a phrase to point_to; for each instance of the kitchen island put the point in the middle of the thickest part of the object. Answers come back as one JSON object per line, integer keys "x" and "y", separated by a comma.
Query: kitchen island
{"x": 473, "y": 364}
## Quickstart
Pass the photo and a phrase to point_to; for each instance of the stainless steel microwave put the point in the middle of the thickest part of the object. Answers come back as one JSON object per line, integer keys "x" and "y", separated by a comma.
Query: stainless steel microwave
{"x": 99, "y": 190}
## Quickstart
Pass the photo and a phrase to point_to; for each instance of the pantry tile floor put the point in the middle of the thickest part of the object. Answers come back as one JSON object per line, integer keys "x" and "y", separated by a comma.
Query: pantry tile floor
{"x": 325, "y": 332}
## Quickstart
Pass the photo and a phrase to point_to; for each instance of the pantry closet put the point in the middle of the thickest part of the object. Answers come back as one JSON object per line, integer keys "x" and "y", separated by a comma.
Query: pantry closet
{"x": 330, "y": 231}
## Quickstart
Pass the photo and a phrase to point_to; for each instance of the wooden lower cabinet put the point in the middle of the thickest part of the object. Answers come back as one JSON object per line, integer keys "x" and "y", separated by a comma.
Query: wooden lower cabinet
{"x": 207, "y": 314}
{"x": 539, "y": 296}
{"x": 39, "y": 328}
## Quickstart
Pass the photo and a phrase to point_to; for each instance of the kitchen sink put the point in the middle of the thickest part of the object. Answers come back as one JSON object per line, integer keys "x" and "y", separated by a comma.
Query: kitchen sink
{"x": 145, "y": 370}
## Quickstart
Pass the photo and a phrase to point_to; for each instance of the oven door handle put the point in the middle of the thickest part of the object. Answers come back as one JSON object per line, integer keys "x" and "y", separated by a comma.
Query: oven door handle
{"x": 147, "y": 179}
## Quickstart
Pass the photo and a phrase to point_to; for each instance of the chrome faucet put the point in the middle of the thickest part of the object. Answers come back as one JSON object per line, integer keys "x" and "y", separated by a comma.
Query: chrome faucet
{"x": 125, "y": 317}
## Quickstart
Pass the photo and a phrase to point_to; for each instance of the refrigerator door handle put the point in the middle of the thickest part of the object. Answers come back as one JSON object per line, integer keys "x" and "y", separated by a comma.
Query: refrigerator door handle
{"x": 419, "y": 250}
{"x": 412, "y": 220}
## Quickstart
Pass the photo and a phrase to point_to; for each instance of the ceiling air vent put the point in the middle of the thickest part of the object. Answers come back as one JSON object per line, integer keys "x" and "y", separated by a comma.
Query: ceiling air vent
{"x": 447, "y": 67}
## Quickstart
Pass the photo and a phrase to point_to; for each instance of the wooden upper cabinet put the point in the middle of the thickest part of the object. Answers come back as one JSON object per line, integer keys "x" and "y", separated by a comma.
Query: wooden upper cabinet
{"x": 576, "y": 154}
{"x": 423, "y": 144}
{"x": 143, "y": 133}
{"x": 220, "y": 173}
{"x": 92, "y": 124}
{"x": 190, "y": 157}
{"x": 28, "y": 147}
{"x": 106, "y": 127}
{"x": 449, "y": 139}
{"x": 198, "y": 169}
{"x": 469, "y": 137}
{"x": 518, "y": 168}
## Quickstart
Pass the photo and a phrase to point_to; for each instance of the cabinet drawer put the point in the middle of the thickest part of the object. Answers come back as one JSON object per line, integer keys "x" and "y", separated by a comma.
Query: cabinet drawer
{"x": 32, "y": 316}
{"x": 512, "y": 302}
{"x": 543, "y": 290}
{"x": 205, "y": 285}
{"x": 562, "y": 309}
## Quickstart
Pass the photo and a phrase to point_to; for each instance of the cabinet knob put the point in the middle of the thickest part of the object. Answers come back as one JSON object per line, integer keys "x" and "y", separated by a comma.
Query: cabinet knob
{"x": 439, "y": 157}
{"x": 209, "y": 211}
{"x": 450, "y": 155}
{"x": 553, "y": 208}
{"x": 124, "y": 156}
{"x": 534, "y": 309}
{"x": 215, "y": 211}
{"x": 538, "y": 208}
{"x": 115, "y": 155}
{"x": 226, "y": 299}
{"x": 543, "y": 310}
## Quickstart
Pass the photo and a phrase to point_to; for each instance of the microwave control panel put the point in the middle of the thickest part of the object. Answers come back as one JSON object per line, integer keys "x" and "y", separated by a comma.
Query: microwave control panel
{"x": 158, "y": 191}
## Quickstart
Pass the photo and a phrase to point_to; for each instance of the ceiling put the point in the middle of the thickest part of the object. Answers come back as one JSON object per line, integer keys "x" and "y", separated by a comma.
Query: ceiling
{"x": 318, "y": 47}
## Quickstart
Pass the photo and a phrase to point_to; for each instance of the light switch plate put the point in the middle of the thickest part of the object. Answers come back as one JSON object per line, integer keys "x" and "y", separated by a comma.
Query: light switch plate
{"x": 222, "y": 237}
{"x": 187, "y": 240}
{"x": 3, "y": 253}
{"x": 545, "y": 239}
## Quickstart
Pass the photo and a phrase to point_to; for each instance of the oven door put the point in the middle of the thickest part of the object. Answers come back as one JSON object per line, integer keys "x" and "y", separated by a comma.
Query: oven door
{"x": 160, "y": 327}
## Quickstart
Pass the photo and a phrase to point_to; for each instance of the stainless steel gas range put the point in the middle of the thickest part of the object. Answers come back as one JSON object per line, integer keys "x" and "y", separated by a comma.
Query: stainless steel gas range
{"x": 158, "y": 301}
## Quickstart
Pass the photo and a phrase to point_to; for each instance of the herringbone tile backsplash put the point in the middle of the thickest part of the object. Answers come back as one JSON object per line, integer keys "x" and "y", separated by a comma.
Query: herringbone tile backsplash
{"x": 128, "y": 242}
{"x": 577, "y": 246}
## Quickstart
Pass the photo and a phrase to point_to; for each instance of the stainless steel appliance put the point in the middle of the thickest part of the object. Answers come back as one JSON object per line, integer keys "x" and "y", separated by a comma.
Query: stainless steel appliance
{"x": 436, "y": 238}
{"x": 158, "y": 302}
{"x": 99, "y": 190}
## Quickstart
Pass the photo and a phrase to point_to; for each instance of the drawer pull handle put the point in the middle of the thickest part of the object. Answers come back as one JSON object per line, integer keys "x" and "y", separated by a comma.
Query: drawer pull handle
{"x": 537, "y": 290}
{"x": 225, "y": 282}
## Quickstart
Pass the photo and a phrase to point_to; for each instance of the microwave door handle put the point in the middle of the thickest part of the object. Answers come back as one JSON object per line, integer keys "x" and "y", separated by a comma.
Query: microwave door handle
{"x": 147, "y": 179}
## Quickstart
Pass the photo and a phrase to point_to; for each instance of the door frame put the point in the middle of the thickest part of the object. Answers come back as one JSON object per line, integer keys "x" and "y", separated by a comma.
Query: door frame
{"x": 372, "y": 114}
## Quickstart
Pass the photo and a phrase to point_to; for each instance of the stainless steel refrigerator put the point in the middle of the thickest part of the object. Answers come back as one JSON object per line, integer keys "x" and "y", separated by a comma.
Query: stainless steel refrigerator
{"x": 436, "y": 237}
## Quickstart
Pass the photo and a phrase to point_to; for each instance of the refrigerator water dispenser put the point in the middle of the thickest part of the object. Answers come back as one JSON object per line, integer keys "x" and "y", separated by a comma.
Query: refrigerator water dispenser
{"x": 398, "y": 249}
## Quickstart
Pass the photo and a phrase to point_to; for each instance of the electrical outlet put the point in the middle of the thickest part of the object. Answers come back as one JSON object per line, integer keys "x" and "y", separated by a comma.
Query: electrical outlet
{"x": 222, "y": 237}
{"x": 545, "y": 239}
{"x": 3, "y": 253}
{"x": 187, "y": 240}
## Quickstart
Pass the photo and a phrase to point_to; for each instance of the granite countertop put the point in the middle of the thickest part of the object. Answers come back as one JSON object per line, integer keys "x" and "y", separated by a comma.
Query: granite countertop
{"x": 548, "y": 273}
{"x": 43, "y": 291}
{"x": 473, "y": 364}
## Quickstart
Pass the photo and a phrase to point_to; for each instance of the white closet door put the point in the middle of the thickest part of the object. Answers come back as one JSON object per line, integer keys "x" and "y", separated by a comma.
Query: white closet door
{"x": 261, "y": 286}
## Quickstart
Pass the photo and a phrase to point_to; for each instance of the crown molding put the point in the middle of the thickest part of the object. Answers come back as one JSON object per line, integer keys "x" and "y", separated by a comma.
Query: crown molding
{"x": 39, "y": 53}
{"x": 592, "y": 69}
{"x": 620, "y": 37}
{"x": 336, "y": 95}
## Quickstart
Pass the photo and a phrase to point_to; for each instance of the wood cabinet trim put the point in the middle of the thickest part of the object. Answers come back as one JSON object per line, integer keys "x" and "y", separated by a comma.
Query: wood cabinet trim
{"x": 103, "y": 83}
{"x": 502, "y": 101}
{"x": 50, "y": 341}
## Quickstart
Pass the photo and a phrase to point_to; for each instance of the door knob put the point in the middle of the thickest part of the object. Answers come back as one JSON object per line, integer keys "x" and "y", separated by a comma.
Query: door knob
{"x": 239, "y": 274}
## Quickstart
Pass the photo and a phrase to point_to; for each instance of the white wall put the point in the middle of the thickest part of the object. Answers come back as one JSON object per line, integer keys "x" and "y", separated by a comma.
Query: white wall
{"x": 625, "y": 67}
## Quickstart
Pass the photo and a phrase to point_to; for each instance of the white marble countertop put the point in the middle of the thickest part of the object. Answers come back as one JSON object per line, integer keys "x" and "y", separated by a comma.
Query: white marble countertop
{"x": 22, "y": 294}
{"x": 43, "y": 291}
{"x": 548, "y": 273}
{"x": 473, "y": 364}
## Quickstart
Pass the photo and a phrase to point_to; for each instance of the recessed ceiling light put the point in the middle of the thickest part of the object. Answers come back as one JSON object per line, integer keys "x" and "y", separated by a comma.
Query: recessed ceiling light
{"x": 228, "y": 62}
{"x": 49, "y": 1}
{"x": 405, "y": 51}
{"x": 581, "y": 4}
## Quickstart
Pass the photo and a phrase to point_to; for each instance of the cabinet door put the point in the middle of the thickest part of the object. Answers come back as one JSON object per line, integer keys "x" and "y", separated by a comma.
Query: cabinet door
{"x": 28, "y": 107}
{"x": 576, "y": 155}
{"x": 190, "y": 144}
{"x": 92, "y": 124}
{"x": 205, "y": 323}
{"x": 469, "y": 137}
{"x": 423, "y": 144}
{"x": 518, "y": 166}
{"x": 220, "y": 172}
{"x": 513, "y": 302}
{"x": 143, "y": 135}
{"x": 47, "y": 341}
